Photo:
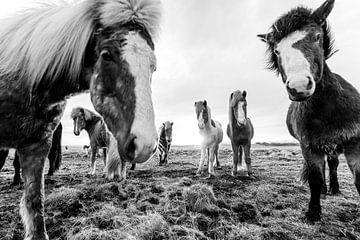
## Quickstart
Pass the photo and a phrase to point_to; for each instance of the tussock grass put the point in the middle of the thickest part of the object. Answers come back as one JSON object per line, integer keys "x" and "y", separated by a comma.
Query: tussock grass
{"x": 200, "y": 198}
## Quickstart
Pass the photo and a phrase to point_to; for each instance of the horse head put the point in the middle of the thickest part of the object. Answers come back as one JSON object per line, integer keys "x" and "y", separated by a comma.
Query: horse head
{"x": 238, "y": 107}
{"x": 299, "y": 44}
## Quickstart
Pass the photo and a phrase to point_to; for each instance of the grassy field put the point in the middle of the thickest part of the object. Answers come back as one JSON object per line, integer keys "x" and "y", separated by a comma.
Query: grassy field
{"x": 171, "y": 202}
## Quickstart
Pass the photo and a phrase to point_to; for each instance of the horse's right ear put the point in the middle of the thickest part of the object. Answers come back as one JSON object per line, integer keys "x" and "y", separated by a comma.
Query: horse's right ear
{"x": 231, "y": 95}
{"x": 244, "y": 94}
{"x": 266, "y": 38}
{"x": 205, "y": 103}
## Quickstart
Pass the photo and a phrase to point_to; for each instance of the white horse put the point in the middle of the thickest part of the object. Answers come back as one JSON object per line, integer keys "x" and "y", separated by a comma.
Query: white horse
{"x": 212, "y": 136}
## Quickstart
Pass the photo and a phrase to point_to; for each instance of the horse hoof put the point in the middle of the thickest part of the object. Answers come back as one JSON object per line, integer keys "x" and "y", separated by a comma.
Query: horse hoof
{"x": 233, "y": 173}
{"x": 313, "y": 216}
{"x": 334, "y": 192}
{"x": 211, "y": 176}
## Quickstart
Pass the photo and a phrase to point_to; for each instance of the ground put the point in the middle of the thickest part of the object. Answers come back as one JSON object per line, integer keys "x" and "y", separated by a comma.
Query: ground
{"x": 171, "y": 202}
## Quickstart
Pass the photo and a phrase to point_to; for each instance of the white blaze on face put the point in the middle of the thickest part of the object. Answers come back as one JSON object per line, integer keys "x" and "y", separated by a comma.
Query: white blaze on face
{"x": 201, "y": 122}
{"x": 295, "y": 65}
{"x": 241, "y": 117}
{"x": 141, "y": 59}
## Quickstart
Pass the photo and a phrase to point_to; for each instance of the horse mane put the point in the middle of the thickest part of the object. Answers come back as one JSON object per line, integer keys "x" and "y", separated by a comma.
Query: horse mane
{"x": 50, "y": 41}
{"x": 294, "y": 20}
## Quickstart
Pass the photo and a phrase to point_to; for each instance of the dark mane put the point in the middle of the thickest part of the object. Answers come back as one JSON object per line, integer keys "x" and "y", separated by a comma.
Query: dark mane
{"x": 296, "y": 19}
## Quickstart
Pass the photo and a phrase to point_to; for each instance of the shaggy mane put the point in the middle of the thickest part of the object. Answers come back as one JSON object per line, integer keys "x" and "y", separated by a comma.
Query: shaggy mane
{"x": 294, "y": 20}
{"x": 50, "y": 41}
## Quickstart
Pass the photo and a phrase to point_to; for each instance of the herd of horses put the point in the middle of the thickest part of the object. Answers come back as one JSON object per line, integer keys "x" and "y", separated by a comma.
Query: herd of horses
{"x": 106, "y": 47}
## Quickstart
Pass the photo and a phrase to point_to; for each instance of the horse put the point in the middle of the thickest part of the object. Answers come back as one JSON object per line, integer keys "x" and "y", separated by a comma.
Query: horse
{"x": 324, "y": 115}
{"x": 54, "y": 51}
{"x": 165, "y": 139}
{"x": 212, "y": 135}
{"x": 96, "y": 128}
{"x": 240, "y": 131}
{"x": 54, "y": 157}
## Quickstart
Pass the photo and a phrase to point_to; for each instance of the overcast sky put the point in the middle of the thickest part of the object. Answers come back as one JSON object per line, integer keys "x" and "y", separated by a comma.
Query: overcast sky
{"x": 208, "y": 48}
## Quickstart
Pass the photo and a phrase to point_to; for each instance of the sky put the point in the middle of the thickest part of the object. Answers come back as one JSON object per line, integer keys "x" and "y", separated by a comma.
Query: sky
{"x": 207, "y": 49}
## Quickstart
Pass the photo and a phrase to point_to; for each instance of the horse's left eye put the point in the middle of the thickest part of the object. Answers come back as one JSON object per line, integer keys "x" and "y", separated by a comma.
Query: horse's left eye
{"x": 317, "y": 37}
{"x": 106, "y": 55}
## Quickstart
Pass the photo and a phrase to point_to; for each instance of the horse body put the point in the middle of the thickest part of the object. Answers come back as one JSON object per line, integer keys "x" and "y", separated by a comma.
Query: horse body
{"x": 212, "y": 136}
{"x": 325, "y": 113}
{"x": 54, "y": 156}
{"x": 96, "y": 128}
{"x": 240, "y": 131}
{"x": 53, "y": 52}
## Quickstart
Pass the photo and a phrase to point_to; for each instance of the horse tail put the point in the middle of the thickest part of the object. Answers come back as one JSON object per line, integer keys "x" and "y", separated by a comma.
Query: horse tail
{"x": 304, "y": 175}
{"x": 56, "y": 145}
{"x": 113, "y": 160}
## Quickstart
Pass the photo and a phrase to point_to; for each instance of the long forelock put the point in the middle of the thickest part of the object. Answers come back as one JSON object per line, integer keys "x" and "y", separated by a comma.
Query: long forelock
{"x": 77, "y": 112}
{"x": 50, "y": 42}
{"x": 296, "y": 19}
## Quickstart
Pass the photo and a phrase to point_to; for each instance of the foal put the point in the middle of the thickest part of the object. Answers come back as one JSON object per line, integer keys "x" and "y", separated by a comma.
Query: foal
{"x": 96, "y": 128}
{"x": 240, "y": 131}
{"x": 212, "y": 136}
{"x": 324, "y": 115}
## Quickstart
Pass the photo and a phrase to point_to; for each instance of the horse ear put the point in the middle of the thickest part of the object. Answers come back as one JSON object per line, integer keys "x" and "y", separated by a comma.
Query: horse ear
{"x": 171, "y": 123}
{"x": 87, "y": 116}
{"x": 266, "y": 38}
{"x": 323, "y": 12}
{"x": 205, "y": 103}
{"x": 231, "y": 95}
{"x": 244, "y": 94}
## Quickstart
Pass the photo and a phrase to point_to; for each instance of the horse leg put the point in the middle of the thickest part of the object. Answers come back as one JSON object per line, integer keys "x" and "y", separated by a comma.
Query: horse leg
{"x": 52, "y": 157}
{"x": 123, "y": 170}
{"x": 248, "y": 158}
{"x": 16, "y": 164}
{"x": 93, "y": 159}
{"x": 104, "y": 155}
{"x": 32, "y": 159}
{"x": 3, "y": 156}
{"x": 201, "y": 162}
{"x": 240, "y": 152}
{"x": 235, "y": 158}
{"x": 333, "y": 162}
{"x": 315, "y": 165}
{"x": 352, "y": 155}
{"x": 324, "y": 187}
{"x": 211, "y": 161}
{"x": 217, "y": 157}
{"x": 133, "y": 166}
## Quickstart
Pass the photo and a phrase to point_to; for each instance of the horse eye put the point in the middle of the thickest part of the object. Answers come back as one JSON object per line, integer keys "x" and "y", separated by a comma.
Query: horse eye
{"x": 317, "y": 37}
{"x": 277, "y": 53}
{"x": 106, "y": 55}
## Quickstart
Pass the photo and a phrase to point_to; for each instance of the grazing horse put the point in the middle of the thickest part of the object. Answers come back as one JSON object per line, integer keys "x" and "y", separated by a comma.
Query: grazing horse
{"x": 54, "y": 156}
{"x": 52, "y": 52}
{"x": 165, "y": 139}
{"x": 96, "y": 128}
{"x": 324, "y": 115}
{"x": 212, "y": 135}
{"x": 240, "y": 131}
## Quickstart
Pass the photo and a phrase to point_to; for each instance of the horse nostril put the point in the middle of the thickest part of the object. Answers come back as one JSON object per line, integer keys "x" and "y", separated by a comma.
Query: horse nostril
{"x": 310, "y": 84}
{"x": 130, "y": 147}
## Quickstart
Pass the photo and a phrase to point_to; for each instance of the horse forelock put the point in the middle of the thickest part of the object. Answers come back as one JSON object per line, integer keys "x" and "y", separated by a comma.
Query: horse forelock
{"x": 296, "y": 19}
{"x": 51, "y": 41}
{"x": 77, "y": 112}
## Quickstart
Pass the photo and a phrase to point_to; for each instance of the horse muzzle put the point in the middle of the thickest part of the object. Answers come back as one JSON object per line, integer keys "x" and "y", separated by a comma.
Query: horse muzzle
{"x": 77, "y": 133}
{"x": 300, "y": 88}
{"x": 137, "y": 149}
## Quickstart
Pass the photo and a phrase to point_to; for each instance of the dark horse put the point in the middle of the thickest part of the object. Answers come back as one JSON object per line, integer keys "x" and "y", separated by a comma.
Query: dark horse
{"x": 324, "y": 115}
{"x": 96, "y": 128}
{"x": 54, "y": 156}
{"x": 240, "y": 131}
{"x": 52, "y": 52}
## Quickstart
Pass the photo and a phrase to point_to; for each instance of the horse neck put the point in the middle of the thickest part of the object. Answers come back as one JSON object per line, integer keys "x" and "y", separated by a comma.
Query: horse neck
{"x": 91, "y": 126}
{"x": 328, "y": 87}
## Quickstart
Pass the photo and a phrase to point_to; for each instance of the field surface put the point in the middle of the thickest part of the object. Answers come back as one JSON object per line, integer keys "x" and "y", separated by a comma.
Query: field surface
{"x": 171, "y": 202}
